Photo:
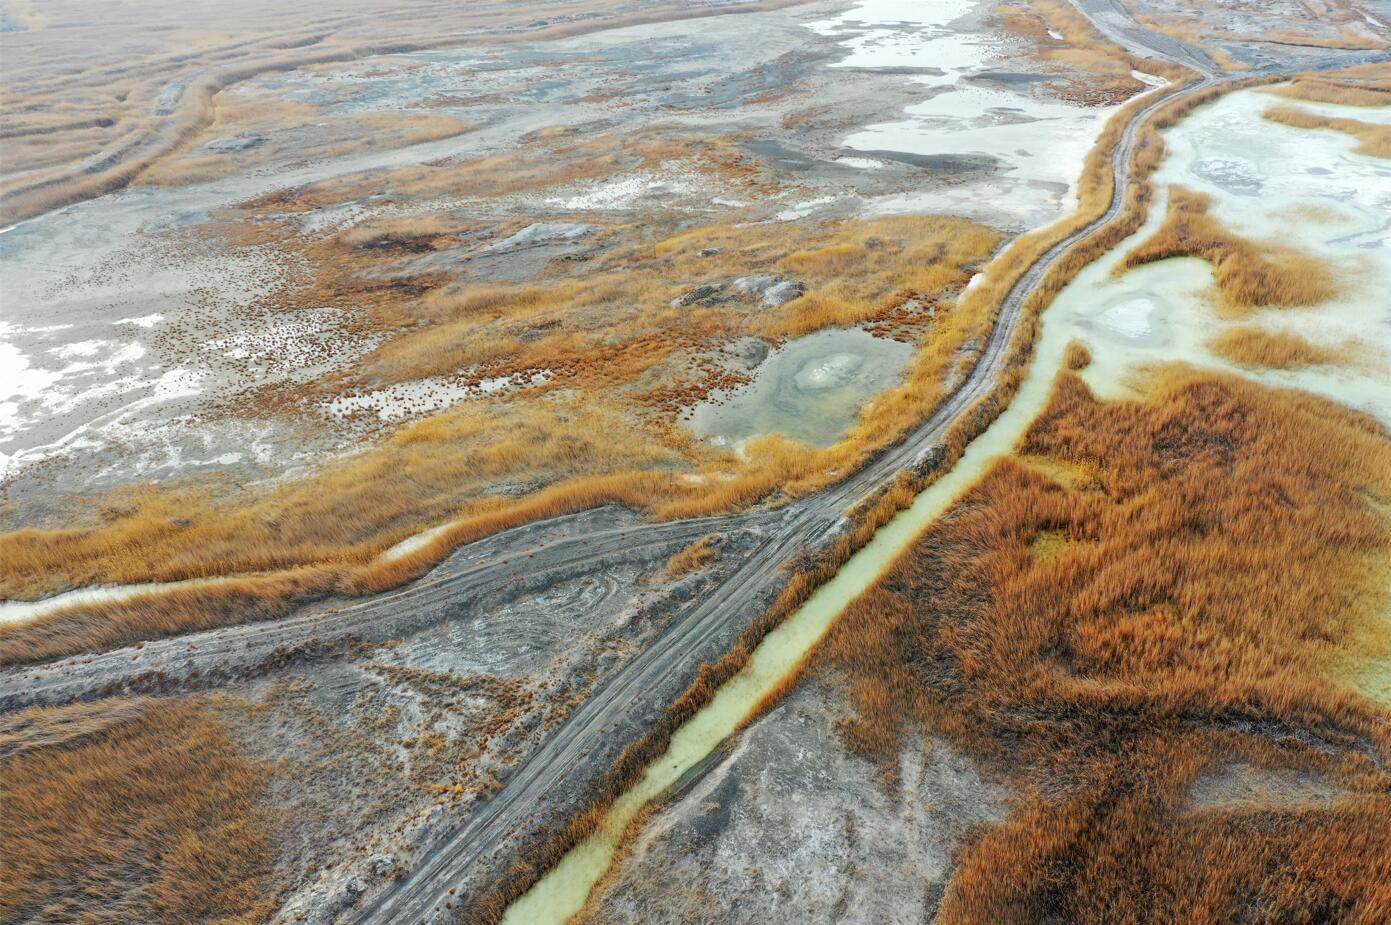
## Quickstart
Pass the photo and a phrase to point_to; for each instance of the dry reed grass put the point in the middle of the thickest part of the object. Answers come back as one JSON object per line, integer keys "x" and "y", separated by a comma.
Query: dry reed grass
{"x": 1257, "y": 347}
{"x": 1373, "y": 139}
{"x": 1341, "y": 92}
{"x": 694, "y": 557}
{"x": 1247, "y": 273}
{"x": 1225, "y": 544}
{"x": 111, "y": 624}
{"x": 149, "y": 814}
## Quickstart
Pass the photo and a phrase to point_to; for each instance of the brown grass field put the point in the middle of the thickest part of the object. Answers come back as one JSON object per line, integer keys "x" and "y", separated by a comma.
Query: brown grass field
{"x": 1248, "y": 274}
{"x": 1221, "y": 543}
{"x": 1373, "y": 139}
{"x": 129, "y": 811}
{"x": 1358, "y": 92}
{"x": 694, "y": 557}
{"x": 1257, "y": 347}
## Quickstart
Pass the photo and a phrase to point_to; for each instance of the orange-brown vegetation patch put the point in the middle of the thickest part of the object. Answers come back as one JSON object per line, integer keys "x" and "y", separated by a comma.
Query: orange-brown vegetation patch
{"x": 1077, "y": 356}
{"x": 1372, "y": 139}
{"x": 694, "y": 557}
{"x": 1103, "y": 640}
{"x": 291, "y": 130}
{"x": 107, "y": 625}
{"x": 1258, "y": 347}
{"x": 144, "y": 813}
{"x": 1247, "y": 273}
{"x": 1362, "y": 92}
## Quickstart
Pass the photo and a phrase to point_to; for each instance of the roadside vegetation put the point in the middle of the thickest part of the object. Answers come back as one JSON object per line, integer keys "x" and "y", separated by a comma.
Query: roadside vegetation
{"x": 1215, "y": 549}
{"x": 694, "y": 557}
{"x": 1248, "y": 274}
{"x": 129, "y": 811}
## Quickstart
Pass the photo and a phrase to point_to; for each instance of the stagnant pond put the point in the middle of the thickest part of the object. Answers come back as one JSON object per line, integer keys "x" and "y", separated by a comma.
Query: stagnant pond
{"x": 809, "y": 389}
{"x": 1303, "y": 188}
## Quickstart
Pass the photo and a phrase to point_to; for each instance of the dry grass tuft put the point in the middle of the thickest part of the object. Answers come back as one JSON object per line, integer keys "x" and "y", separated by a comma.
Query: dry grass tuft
{"x": 1248, "y": 274}
{"x": 694, "y": 557}
{"x": 1373, "y": 139}
{"x": 147, "y": 814}
{"x": 1077, "y": 356}
{"x": 1252, "y": 346}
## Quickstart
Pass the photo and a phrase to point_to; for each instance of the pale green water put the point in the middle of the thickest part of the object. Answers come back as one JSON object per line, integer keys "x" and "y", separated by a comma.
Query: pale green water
{"x": 1257, "y": 173}
{"x": 810, "y": 389}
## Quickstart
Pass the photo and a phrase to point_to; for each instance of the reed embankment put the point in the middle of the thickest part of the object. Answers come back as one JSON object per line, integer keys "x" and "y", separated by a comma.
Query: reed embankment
{"x": 136, "y": 811}
{"x": 1373, "y": 139}
{"x": 1248, "y": 274}
{"x": 1213, "y": 550}
{"x": 112, "y": 624}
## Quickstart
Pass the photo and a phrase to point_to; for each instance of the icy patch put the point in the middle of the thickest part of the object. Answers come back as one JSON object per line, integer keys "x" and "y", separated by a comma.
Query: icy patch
{"x": 625, "y": 193}
{"x": 907, "y": 34}
{"x": 146, "y": 321}
{"x": 803, "y": 209}
{"x": 1130, "y": 318}
{"x": 542, "y": 233}
{"x": 411, "y": 543}
{"x": 863, "y": 163}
